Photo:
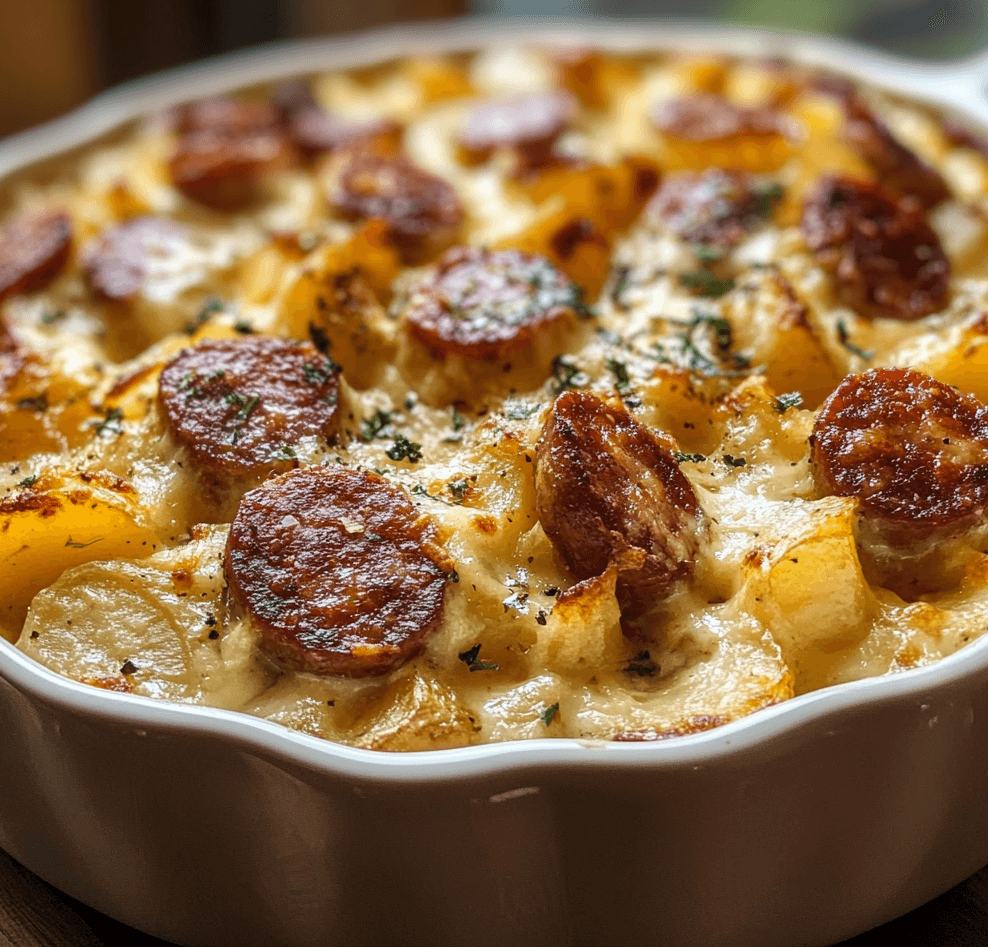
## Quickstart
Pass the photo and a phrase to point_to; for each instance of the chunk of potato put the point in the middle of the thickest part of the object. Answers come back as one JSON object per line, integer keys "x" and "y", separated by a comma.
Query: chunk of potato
{"x": 59, "y": 521}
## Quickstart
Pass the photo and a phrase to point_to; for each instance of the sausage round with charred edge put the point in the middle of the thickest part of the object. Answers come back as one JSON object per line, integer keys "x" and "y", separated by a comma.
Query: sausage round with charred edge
{"x": 422, "y": 211}
{"x": 529, "y": 124}
{"x": 486, "y": 304}
{"x": 912, "y": 450}
{"x": 240, "y": 405}
{"x": 338, "y": 571}
{"x": 716, "y": 208}
{"x": 607, "y": 491}
{"x": 705, "y": 116}
{"x": 33, "y": 248}
{"x": 227, "y": 152}
{"x": 117, "y": 261}
{"x": 886, "y": 260}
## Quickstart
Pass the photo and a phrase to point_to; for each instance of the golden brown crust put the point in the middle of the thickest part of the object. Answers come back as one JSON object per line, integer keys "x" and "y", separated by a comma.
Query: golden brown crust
{"x": 886, "y": 260}
{"x": 337, "y": 570}
{"x": 239, "y": 406}
{"x": 485, "y": 304}
{"x": 913, "y": 451}
{"x": 33, "y": 248}
{"x": 608, "y": 491}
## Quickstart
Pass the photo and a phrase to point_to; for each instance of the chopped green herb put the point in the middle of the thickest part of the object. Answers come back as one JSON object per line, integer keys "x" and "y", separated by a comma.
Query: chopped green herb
{"x": 111, "y": 423}
{"x": 620, "y": 372}
{"x": 520, "y": 412}
{"x": 844, "y": 338}
{"x": 706, "y": 283}
{"x": 767, "y": 197}
{"x": 641, "y": 665}
{"x": 246, "y": 406}
{"x": 29, "y": 481}
{"x": 471, "y": 659}
{"x": 732, "y": 461}
{"x": 567, "y": 375}
{"x": 319, "y": 374}
{"x": 621, "y": 285}
{"x": 71, "y": 544}
{"x": 404, "y": 449}
{"x": 378, "y": 425}
{"x": 243, "y": 327}
{"x": 459, "y": 488}
{"x": 209, "y": 309}
{"x": 50, "y": 318}
{"x": 695, "y": 359}
{"x": 458, "y": 421}
{"x": 682, "y": 458}
{"x": 549, "y": 714}
{"x": 784, "y": 402}
{"x": 372, "y": 537}
{"x": 285, "y": 452}
{"x": 708, "y": 252}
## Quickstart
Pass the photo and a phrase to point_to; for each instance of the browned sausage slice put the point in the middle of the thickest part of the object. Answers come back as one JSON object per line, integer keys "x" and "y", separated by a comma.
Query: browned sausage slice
{"x": 716, "y": 208}
{"x": 33, "y": 248}
{"x": 485, "y": 304}
{"x": 529, "y": 124}
{"x": 607, "y": 491}
{"x": 912, "y": 450}
{"x": 337, "y": 569}
{"x": 886, "y": 260}
{"x": 116, "y": 262}
{"x": 422, "y": 211}
{"x": 705, "y": 117}
{"x": 239, "y": 405}
{"x": 228, "y": 151}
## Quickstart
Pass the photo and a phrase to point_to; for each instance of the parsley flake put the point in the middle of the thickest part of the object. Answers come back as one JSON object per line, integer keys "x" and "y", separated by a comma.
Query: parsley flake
{"x": 459, "y": 488}
{"x": 209, "y": 309}
{"x": 844, "y": 337}
{"x": 682, "y": 458}
{"x": 404, "y": 449}
{"x": 567, "y": 374}
{"x": 29, "y": 481}
{"x": 319, "y": 374}
{"x": 784, "y": 402}
{"x": 733, "y": 461}
{"x": 549, "y": 714}
{"x": 705, "y": 283}
{"x": 520, "y": 412}
{"x": 622, "y": 381}
{"x": 111, "y": 423}
{"x": 50, "y": 318}
{"x": 471, "y": 659}
{"x": 378, "y": 425}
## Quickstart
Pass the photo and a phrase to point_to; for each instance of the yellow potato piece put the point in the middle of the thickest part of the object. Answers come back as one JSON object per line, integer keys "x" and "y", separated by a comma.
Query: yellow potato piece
{"x": 61, "y": 521}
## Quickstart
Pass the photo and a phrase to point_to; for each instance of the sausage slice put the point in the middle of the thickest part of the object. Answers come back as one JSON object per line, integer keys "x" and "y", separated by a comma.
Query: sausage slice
{"x": 422, "y": 211}
{"x": 485, "y": 304}
{"x": 607, "y": 491}
{"x": 33, "y": 248}
{"x": 529, "y": 124}
{"x": 338, "y": 571}
{"x": 117, "y": 261}
{"x": 716, "y": 208}
{"x": 912, "y": 450}
{"x": 239, "y": 405}
{"x": 886, "y": 259}
{"x": 227, "y": 152}
{"x": 707, "y": 117}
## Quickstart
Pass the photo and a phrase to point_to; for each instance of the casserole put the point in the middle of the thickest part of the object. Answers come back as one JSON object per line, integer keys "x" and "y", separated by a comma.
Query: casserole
{"x": 804, "y": 824}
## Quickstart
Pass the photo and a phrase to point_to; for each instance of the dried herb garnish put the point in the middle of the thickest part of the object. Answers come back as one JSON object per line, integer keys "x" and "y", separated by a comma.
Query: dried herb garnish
{"x": 567, "y": 374}
{"x": 29, "y": 481}
{"x": 50, "y": 318}
{"x": 844, "y": 337}
{"x": 695, "y": 359}
{"x": 549, "y": 714}
{"x": 733, "y": 461}
{"x": 520, "y": 412}
{"x": 209, "y": 309}
{"x": 111, "y": 423}
{"x": 243, "y": 327}
{"x": 682, "y": 458}
{"x": 641, "y": 665}
{"x": 706, "y": 283}
{"x": 622, "y": 381}
{"x": 246, "y": 406}
{"x": 708, "y": 252}
{"x": 285, "y": 452}
{"x": 404, "y": 449}
{"x": 472, "y": 660}
{"x": 784, "y": 402}
{"x": 378, "y": 425}
{"x": 459, "y": 488}
{"x": 319, "y": 374}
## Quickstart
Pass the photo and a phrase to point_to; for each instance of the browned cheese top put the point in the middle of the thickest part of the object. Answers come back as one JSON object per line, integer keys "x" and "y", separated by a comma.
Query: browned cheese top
{"x": 886, "y": 260}
{"x": 716, "y": 208}
{"x": 337, "y": 569}
{"x": 116, "y": 262}
{"x": 913, "y": 450}
{"x": 240, "y": 405}
{"x": 485, "y": 304}
{"x": 33, "y": 248}
{"x": 608, "y": 491}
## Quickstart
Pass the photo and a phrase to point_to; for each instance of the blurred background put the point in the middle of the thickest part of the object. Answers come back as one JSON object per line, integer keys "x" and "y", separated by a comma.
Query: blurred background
{"x": 55, "y": 54}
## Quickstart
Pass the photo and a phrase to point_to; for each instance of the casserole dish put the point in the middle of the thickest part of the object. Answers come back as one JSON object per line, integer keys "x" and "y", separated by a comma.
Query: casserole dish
{"x": 806, "y": 823}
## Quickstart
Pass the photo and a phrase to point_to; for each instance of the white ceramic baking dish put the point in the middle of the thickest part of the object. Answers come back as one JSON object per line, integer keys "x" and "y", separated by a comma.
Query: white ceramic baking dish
{"x": 803, "y": 824}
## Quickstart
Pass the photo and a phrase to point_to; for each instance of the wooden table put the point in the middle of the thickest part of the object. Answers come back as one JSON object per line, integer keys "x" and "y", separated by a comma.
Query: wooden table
{"x": 33, "y": 914}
